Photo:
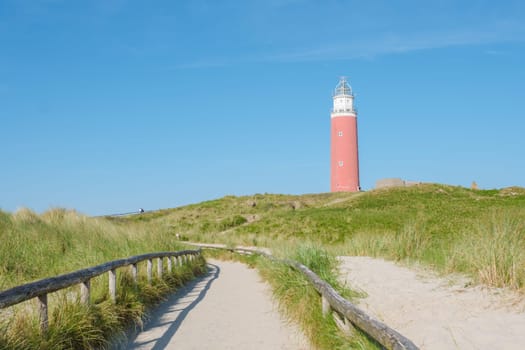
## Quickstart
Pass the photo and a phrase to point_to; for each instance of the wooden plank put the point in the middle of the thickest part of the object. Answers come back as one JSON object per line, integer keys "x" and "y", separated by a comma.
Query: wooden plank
{"x": 31, "y": 290}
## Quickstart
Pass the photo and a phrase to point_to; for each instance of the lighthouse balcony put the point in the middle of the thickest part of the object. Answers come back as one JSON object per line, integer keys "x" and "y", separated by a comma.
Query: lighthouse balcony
{"x": 343, "y": 110}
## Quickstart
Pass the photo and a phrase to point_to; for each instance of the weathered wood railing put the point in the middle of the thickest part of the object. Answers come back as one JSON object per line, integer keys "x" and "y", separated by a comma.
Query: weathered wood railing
{"x": 346, "y": 314}
{"x": 40, "y": 289}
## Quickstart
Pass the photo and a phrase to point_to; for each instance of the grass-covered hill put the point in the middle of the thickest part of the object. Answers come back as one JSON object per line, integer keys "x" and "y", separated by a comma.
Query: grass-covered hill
{"x": 479, "y": 232}
{"x": 452, "y": 229}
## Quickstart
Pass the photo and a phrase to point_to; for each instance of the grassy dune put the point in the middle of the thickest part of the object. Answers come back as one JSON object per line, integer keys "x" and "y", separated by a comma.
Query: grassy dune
{"x": 452, "y": 229}
{"x": 58, "y": 241}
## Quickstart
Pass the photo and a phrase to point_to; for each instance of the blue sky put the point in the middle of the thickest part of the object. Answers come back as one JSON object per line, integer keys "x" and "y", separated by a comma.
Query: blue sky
{"x": 111, "y": 105}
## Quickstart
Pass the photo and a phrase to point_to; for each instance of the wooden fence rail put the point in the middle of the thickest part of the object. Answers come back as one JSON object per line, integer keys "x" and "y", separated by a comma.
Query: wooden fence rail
{"x": 41, "y": 288}
{"x": 346, "y": 314}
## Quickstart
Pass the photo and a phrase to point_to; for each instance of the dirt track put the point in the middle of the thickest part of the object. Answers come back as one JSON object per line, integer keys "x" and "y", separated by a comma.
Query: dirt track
{"x": 229, "y": 308}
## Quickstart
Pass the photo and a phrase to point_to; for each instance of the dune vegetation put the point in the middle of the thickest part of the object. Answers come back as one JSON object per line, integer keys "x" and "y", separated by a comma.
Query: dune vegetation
{"x": 59, "y": 241}
{"x": 480, "y": 233}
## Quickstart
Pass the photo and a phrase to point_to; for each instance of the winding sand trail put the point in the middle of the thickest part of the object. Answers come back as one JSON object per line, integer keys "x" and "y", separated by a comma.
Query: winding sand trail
{"x": 229, "y": 308}
{"x": 434, "y": 312}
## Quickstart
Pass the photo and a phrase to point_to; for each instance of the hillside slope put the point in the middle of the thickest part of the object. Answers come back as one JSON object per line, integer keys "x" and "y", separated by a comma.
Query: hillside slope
{"x": 450, "y": 228}
{"x": 479, "y": 232}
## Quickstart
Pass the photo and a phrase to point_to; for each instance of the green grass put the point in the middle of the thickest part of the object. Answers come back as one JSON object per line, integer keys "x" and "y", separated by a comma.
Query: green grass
{"x": 58, "y": 241}
{"x": 449, "y": 228}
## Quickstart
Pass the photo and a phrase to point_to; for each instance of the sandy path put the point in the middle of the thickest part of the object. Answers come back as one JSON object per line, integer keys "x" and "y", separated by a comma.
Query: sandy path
{"x": 436, "y": 313}
{"x": 229, "y": 308}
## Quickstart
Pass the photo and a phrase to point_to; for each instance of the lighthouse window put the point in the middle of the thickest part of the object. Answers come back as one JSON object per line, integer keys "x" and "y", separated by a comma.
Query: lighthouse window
{"x": 340, "y": 133}
{"x": 340, "y": 163}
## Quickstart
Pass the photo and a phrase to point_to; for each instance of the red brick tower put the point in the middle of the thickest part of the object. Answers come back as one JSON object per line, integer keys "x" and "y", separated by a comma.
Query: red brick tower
{"x": 344, "y": 162}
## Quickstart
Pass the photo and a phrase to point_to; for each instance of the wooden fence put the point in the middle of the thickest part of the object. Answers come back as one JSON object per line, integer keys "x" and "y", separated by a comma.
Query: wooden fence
{"x": 346, "y": 314}
{"x": 40, "y": 289}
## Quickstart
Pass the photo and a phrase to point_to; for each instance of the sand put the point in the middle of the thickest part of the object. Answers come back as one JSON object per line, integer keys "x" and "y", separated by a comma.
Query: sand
{"x": 437, "y": 313}
{"x": 229, "y": 308}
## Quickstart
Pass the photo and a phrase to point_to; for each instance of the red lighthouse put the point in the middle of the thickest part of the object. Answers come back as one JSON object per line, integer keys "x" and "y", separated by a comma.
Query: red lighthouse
{"x": 344, "y": 162}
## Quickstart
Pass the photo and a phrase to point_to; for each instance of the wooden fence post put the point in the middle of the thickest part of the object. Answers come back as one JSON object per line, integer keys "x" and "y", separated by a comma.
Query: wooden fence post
{"x": 113, "y": 285}
{"x": 325, "y": 305}
{"x": 42, "y": 312}
{"x": 134, "y": 273}
{"x": 343, "y": 323}
{"x": 85, "y": 292}
{"x": 349, "y": 327}
{"x": 150, "y": 263}
{"x": 160, "y": 267}
{"x": 169, "y": 264}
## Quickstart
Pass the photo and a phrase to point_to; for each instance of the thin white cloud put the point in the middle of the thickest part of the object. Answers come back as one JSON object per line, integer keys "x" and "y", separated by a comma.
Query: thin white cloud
{"x": 389, "y": 43}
